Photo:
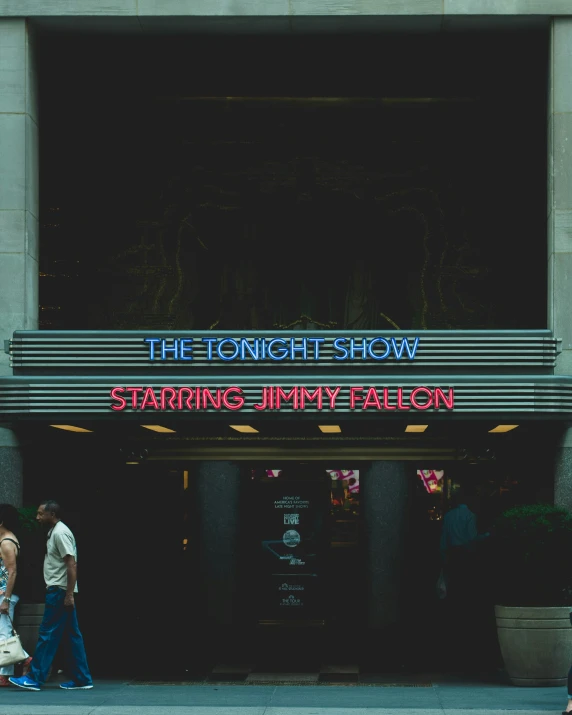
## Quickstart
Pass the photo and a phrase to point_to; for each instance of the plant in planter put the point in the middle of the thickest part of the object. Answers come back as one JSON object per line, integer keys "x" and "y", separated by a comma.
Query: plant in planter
{"x": 534, "y": 592}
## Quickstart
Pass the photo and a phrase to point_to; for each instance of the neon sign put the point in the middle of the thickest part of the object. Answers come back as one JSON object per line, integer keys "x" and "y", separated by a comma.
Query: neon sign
{"x": 279, "y": 349}
{"x": 275, "y": 398}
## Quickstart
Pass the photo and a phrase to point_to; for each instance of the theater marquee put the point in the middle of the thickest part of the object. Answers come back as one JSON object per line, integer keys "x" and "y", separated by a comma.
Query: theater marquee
{"x": 277, "y": 397}
{"x": 129, "y": 375}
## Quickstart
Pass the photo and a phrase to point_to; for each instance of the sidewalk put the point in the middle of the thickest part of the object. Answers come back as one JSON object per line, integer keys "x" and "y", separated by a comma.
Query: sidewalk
{"x": 439, "y": 696}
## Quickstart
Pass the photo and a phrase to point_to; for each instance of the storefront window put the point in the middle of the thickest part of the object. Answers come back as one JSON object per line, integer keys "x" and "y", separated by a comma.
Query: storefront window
{"x": 432, "y": 479}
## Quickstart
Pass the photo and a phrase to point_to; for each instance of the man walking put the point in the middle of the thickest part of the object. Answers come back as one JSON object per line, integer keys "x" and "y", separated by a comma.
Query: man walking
{"x": 466, "y": 614}
{"x": 59, "y": 623}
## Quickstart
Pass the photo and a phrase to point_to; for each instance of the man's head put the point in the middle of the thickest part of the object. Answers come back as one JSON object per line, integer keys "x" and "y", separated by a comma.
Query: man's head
{"x": 465, "y": 494}
{"x": 48, "y": 513}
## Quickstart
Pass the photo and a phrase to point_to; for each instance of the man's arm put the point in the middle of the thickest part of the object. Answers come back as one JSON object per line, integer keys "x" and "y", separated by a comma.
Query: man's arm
{"x": 443, "y": 542}
{"x": 71, "y": 568}
{"x": 474, "y": 536}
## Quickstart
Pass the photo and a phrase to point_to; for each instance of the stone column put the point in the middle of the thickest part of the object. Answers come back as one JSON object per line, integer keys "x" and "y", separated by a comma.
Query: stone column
{"x": 19, "y": 212}
{"x": 11, "y": 482}
{"x": 559, "y": 211}
{"x": 218, "y": 485}
{"x": 385, "y": 495}
{"x": 563, "y": 469}
{"x": 559, "y": 206}
{"x": 19, "y": 192}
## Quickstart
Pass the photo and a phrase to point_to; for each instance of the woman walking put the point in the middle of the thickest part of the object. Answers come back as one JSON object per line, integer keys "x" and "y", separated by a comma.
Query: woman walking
{"x": 9, "y": 551}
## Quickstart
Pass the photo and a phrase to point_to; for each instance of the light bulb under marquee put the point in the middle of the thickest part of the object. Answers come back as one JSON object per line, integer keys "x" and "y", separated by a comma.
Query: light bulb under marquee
{"x": 158, "y": 428}
{"x": 499, "y": 429}
{"x": 71, "y": 428}
{"x": 416, "y": 428}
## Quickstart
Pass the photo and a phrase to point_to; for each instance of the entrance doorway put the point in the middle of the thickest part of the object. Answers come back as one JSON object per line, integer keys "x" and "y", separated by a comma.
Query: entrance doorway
{"x": 195, "y": 535}
{"x": 302, "y": 561}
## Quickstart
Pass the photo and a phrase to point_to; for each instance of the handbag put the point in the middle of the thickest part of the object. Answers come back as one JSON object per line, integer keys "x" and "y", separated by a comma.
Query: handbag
{"x": 11, "y": 650}
{"x": 441, "y": 586}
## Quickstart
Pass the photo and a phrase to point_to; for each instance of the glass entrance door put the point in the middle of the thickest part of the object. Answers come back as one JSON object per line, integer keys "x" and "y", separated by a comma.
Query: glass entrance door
{"x": 302, "y": 556}
{"x": 291, "y": 534}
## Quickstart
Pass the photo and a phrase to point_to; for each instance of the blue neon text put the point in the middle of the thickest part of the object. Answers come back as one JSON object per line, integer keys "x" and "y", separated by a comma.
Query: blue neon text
{"x": 277, "y": 349}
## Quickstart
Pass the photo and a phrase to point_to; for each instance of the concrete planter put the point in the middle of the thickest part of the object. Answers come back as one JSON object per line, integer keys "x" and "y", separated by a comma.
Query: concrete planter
{"x": 27, "y": 622}
{"x": 536, "y": 644}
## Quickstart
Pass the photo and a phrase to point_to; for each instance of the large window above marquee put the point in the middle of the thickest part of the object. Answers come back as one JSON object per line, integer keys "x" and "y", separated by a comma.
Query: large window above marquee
{"x": 277, "y": 192}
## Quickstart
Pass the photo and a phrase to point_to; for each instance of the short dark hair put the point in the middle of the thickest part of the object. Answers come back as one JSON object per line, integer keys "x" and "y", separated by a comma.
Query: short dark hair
{"x": 9, "y": 517}
{"x": 53, "y": 506}
{"x": 464, "y": 494}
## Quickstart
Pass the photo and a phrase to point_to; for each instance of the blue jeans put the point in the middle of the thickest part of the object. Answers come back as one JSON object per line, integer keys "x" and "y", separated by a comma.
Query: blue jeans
{"x": 59, "y": 624}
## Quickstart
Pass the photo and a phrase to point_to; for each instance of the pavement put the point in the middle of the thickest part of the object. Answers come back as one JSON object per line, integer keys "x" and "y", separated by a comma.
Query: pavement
{"x": 439, "y": 695}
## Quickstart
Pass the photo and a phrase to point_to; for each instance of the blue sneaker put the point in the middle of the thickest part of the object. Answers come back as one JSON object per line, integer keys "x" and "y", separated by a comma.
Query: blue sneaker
{"x": 25, "y": 682}
{"x": 74, "y": 686}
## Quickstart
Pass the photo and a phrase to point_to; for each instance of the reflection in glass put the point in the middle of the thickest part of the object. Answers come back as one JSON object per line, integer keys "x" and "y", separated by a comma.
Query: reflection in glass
{"x": 344, "y": 506}
{"x": 432, "y": 479}
{"x": 349, "y": 475}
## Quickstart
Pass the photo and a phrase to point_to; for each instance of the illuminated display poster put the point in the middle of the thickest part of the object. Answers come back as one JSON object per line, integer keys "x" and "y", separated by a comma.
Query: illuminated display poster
{"x": 292, "y": 524}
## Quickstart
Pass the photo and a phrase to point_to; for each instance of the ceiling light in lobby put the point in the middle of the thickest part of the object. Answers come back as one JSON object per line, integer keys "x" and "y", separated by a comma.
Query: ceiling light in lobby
{"x": 503, "y": 428}
{"x": 71, "y": 428}
{"x": 416, "y": 428}
{"x": 158, "y": 428}
{"x": 245, "y": 429}
{"x": 330, "y": 429}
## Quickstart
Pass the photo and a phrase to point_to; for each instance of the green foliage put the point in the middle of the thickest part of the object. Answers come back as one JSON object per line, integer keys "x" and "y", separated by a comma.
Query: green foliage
{"x": 534, "y": 556}
{"x": 28, "y": 523}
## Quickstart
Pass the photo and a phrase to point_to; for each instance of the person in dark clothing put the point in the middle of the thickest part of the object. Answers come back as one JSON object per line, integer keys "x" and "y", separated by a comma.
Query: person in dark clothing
{"x": 462, "y": 572}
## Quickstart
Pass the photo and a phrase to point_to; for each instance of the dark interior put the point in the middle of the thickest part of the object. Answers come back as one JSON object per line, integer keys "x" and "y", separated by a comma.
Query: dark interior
{"x": 306, "y": 181}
